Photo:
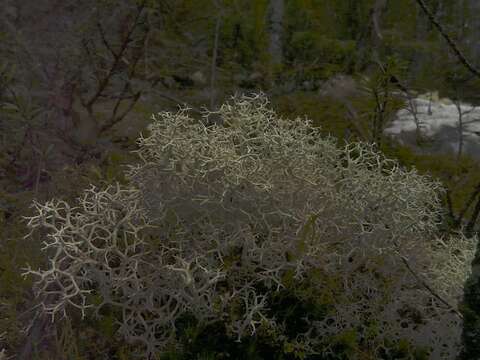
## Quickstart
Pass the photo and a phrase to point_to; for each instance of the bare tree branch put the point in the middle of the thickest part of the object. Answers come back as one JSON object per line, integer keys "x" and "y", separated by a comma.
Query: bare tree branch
{"x": 103, "y": 84}
{"x": 449, "y": 40}
{"x": 114, "y": 119}
{"x": 104, "y": 40}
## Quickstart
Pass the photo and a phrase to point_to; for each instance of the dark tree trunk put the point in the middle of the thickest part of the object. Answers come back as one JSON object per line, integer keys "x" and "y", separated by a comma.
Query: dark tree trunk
{"x": 275, "y": 22}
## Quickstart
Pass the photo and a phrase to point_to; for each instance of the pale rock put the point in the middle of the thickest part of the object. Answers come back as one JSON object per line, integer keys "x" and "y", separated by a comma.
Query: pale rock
{"x": 440, "y": 124}
{"x": 339, "y": 87}
{"x": 255, "y": 76}
{"x": 198, "y": 78}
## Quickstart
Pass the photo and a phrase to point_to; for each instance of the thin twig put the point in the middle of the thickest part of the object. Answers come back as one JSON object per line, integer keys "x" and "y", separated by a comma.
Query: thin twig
{"x": 450, "y": 42}
{"x": 104, "y": 82}
{"x": 421, "y": 281}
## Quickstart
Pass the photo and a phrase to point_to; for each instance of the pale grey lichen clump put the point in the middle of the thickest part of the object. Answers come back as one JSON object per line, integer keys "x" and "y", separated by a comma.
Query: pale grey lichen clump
{"x": 212, "y": 211}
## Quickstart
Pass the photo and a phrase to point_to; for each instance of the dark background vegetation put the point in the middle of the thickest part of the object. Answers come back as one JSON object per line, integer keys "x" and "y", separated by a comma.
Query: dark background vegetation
{"x": 79, "y": 81}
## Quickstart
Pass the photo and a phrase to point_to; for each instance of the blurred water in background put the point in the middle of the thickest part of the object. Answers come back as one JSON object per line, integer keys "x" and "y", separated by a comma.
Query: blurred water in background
{"x": 439, "y": 122}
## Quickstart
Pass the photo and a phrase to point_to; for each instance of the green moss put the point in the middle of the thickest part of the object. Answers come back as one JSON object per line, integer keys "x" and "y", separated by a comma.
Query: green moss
{"x": 326, "y": 113}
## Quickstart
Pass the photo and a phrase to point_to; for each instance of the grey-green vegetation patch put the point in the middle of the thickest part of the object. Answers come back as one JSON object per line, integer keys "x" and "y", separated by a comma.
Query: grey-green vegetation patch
{"x": 217, "y": 221}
